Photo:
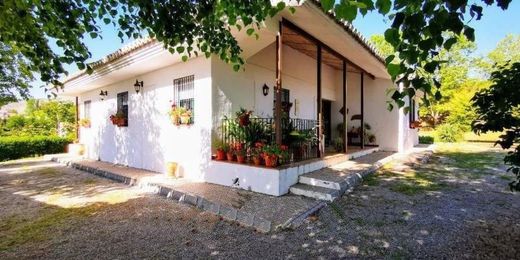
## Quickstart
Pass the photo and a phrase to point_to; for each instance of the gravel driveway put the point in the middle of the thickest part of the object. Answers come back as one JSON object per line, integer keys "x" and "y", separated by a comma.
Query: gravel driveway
{"x": 455, "y": 206}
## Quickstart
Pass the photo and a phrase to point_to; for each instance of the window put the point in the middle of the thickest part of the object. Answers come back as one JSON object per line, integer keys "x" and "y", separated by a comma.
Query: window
{"x": 86, "y": 109}
{"x": 122, "y": 106}
{"x": 184, "y": 94}
{"x": 412, "y": 113}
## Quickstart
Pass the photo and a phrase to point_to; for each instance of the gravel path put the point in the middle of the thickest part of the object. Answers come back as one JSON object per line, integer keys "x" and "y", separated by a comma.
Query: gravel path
{"x": 456, "y": 206}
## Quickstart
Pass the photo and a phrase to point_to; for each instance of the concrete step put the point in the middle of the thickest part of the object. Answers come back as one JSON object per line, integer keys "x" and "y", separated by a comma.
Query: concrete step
{"x": 315, "y": 192}
{"x": 318, "y": 182}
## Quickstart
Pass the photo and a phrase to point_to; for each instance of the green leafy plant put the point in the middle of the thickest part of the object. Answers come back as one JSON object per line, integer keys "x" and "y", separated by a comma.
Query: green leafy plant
{"x": 449, "y": 133}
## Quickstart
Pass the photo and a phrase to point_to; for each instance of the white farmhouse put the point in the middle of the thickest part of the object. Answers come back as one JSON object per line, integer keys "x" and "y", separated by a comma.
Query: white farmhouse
{"x": 329, "y": 76}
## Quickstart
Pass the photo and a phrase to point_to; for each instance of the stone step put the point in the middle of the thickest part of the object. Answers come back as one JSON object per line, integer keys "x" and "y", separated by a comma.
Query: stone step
{"x": 315, "y": 192}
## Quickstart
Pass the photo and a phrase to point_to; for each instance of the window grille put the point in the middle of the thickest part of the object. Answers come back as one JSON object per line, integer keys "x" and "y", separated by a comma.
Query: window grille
{"x": 184, "y": 94}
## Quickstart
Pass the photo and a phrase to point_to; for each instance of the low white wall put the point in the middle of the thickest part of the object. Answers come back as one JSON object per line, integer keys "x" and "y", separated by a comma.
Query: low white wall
{"x": 151, "y": 140}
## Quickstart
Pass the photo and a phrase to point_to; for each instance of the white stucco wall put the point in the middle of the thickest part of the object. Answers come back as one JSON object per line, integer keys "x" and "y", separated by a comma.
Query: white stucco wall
{"x": 151, "y": 140}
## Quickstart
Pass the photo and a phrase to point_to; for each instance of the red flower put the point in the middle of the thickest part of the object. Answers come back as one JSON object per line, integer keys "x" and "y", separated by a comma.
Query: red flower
{"x": 284, "y": 147}
{"x": 259, "y": 145}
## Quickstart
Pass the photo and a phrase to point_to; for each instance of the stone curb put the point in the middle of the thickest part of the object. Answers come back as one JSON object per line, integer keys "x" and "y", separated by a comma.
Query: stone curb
{"x": 226, "y": 212}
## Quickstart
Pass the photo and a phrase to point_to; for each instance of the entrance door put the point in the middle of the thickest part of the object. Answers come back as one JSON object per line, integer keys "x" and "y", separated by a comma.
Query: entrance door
{"x": 326, "y": 106}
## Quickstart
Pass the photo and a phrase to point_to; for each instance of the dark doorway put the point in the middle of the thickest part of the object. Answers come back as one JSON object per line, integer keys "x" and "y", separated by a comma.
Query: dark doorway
{"x": 326, "y": 106}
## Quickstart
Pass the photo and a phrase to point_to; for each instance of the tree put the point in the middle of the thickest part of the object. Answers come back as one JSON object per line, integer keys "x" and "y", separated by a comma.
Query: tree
{"x": 506, "y": 51}
{"x": 14, "y": 75}
{"x": 418, "y": 30}
{"x": 498, "y": 110}
{"x": 42, "y": 118}
{"x": 384, "y": 48}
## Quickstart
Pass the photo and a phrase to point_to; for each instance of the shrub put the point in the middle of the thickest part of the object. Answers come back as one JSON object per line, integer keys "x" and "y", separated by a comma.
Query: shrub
{"x": 425, "y": 139}
{"x": 13, "y": 147}
{"x": 449, "y": 133}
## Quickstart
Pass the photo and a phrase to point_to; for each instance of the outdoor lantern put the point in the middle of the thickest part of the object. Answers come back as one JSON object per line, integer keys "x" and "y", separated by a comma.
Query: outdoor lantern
{"x": 138, "y": 86}
{"x": 265, "y": 89}
{"x": 103, "y": 94}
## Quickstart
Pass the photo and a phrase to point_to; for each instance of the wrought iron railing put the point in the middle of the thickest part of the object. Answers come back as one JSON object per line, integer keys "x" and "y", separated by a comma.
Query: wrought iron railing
{"x": 299, "y": 135}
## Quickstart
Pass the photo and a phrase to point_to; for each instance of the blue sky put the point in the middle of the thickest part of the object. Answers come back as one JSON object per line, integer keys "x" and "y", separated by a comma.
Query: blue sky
{"x": 494, "y": 25}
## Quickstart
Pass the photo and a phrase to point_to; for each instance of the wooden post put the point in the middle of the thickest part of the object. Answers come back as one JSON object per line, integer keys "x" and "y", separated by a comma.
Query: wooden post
{"x": 319, "y": 103}
{"x": 362, "y": 136}
{"x": 278, "y": 88}
{"x": 77, "y": 118}
{"x": 344, "y": 134}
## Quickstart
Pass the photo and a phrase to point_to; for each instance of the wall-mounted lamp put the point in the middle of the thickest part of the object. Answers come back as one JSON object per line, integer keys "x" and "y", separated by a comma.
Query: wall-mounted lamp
{"x": 103, "y": 94}
{"x": 265, "y": 90}
{"x": 138, "y": 86}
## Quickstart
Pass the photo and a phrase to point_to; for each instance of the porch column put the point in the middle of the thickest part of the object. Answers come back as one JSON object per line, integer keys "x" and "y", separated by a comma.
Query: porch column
{"x": 344, "y": 134}
{"x": 319, "y": 103}
{"x": 278, "y": 88}
{"x": 362, "y": 136}
{"x": 77, "y": 118}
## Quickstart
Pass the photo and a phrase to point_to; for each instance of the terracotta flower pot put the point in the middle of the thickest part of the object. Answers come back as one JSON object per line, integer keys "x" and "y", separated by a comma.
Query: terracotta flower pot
{"x": 257, "y": 161}
{"x": 221, "y": 155}
{"x": 241, "y": 158}
{"x": 230, "y": 156}
{"x": 270, "y": 160}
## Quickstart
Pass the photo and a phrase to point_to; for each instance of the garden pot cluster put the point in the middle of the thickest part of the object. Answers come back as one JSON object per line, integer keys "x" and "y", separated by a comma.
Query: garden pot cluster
{"x": 258, "y": 155}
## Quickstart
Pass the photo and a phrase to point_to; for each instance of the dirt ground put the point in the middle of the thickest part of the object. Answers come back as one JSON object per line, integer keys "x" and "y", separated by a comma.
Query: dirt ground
{"x": 455, "y": 206}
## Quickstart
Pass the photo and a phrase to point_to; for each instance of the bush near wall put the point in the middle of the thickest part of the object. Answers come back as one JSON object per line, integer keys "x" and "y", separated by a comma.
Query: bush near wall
{"x": 14, "y": 147}
{"x": 425, "y": 139}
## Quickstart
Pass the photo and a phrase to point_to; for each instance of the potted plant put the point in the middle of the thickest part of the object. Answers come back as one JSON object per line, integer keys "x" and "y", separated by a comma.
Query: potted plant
{"x": 222, "y": 149}
{"x": 175, "y": 115}
{"x": 415, "y": 124}
{"x": 186, "y": 117}
{"x": 271, "y": 155}
{"x": 230, "y": 154}
{"x": 85, "y": 122}
{"x": 241, "y": 155}
{"x": 243, "y": 116}
{"x": 118, "y": 119}
{"x": 257, "y": 153}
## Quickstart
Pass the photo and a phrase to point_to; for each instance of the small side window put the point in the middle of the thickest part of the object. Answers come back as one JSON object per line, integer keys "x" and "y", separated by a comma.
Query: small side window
{"x": 122, "y": 106}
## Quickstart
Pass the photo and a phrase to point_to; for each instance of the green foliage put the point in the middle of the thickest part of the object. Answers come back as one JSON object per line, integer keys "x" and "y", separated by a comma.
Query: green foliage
{"x": 425, "y": 139}
{"x": 186, "y": 27}
{"x": 506, "y": 51}
{"x": 498, "y": 110}
{"x": 19, "y": 147}
{"x": 41, "y": 118}
{"x": 449, "y": 133}
{"x": 14, "y": 75}
{"x": 419, "y": 30}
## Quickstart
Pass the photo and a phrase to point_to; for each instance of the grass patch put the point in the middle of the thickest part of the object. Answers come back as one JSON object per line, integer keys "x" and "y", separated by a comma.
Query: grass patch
{"x": 49, "y": 172}
{"x": 411, "y": 189}
{"x": 337, "y": 210}
{"x": 371, "y": 180}
{"x": 506, "y": 177}
{"x": 90, "y": 181}
{"x": 16, "y": 230}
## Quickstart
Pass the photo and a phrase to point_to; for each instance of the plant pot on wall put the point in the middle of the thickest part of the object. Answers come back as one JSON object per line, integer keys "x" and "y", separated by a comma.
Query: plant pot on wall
{"x": 221, "y": 154}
